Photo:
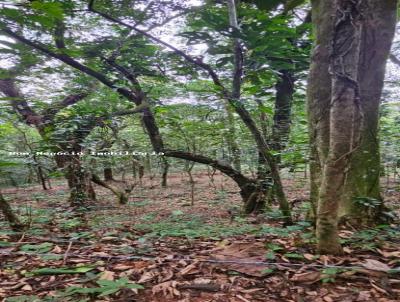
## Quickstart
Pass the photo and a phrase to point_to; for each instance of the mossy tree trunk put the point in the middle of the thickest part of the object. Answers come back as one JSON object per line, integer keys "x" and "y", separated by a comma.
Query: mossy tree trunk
{"x": 362, "y": 179}
{"x": 378, "y": 27}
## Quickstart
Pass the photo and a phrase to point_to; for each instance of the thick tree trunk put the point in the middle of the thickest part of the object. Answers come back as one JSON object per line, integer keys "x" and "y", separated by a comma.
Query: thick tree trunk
{"x": 79, "y": 183}
{"x": 345, "y": 122}
{"x": 15, "y": 223}
{"x": 362, "y": 183}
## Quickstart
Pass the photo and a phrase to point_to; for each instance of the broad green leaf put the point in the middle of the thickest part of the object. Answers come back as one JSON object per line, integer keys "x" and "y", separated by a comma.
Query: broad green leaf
{"x": 62, "y": 271}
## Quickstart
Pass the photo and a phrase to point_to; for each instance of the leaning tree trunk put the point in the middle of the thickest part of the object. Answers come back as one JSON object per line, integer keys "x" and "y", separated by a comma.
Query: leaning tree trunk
{"x": 345, "y": 122}
{"x": 121, "y": 192}
{"x": 362, "y": 183}
{"x": 15, "y": 223}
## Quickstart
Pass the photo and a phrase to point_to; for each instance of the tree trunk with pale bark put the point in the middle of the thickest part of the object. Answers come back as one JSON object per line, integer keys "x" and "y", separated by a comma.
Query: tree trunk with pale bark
{"x": 345, "y": 84}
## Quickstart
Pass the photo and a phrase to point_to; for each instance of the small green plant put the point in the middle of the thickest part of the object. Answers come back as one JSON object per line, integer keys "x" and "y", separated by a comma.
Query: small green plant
{"x": 329, "y": 274}
{"x": 105, "y": 288}
{"x": 368, "y": 202}
{"x": 37, "y": 248}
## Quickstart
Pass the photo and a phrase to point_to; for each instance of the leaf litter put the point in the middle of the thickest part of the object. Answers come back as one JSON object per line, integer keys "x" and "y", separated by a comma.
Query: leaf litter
{"x": 166, "y": 251}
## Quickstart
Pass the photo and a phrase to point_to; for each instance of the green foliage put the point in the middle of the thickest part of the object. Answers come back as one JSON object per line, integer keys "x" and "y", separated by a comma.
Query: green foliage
{"x": 61, "y": 270}
{"x": 105, "y": 288}
{"x": 37, "y": 248}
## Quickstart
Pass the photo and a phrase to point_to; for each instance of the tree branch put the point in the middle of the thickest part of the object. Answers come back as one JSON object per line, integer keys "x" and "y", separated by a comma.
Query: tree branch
{"x": 71, "y": 62}
{"x": 394, "y": 59}
{"x": 177, "y": 51}
{"x": 50, "y": 113}
{"x": 224, "y": 168}
{"x": 19, "y": 103}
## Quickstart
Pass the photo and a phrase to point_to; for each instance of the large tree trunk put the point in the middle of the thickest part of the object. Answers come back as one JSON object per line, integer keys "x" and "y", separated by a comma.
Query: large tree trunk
{"x": 319, "y": 95}
{"x": 345, "y": 122}
{"x": 362, "y": 183}
{"x": 362, "y": 179}
{"x": 15, "y": 223}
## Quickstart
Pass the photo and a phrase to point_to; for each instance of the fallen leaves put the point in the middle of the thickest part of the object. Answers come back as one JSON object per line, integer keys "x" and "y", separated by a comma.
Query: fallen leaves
{"x": 307, "y": 278}
{"x": 376, "y": 265}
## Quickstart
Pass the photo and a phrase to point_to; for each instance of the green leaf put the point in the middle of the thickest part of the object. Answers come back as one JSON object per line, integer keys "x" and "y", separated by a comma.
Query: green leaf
{"x": 62, "y": 271}
{"x": 109, "y": 292}
{"x": 293, "y": 256}
{"x": 39, "y": 248}
{"x": 51, "y": 9}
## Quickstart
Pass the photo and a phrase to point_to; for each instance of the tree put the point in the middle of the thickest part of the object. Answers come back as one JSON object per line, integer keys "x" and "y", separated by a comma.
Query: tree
{"x": 251, "y": 190}
{"x": 343, "y": 107}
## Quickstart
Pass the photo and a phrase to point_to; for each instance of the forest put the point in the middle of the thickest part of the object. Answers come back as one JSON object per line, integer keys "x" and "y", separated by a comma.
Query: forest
{"x": 199, "y": 150}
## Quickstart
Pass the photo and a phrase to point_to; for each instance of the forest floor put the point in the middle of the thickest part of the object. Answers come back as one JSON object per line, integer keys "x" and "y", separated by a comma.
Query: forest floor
{"x": 160, "y": 248}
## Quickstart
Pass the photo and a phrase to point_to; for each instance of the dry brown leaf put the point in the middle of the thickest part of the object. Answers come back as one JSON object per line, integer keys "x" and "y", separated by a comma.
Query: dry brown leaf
{"x": 309, "y": 277}
{"x": 308, "y": 256}
{"x": 56, "y": 250}
{"x": 395, "y": 254}
{"x": 328, "y": 299}
{"x": 347, "y": 250}
{"x": 107, "y": 275}
{"x": 122, "y": 267}
{"x": 375, "y": 265}
{"x": 243, "y": 252}
{"x": 190, "y": 269}
{"x": 147, "y": 276}
{"x": 27, "y": 287}
{"x": 167, "y": 288}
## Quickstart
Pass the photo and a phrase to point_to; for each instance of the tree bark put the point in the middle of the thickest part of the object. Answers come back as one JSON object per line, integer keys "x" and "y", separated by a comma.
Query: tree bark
{"x": 79, "y": 183}
{"x": 345, "y": 121}
{"x": 108, "y": 174}
{"x": 231, "y": 138}
{"x": 282, "y": 114}
{"x": 164, "y": 174}
{"x": 15, "y": 223}
{"x": 122, "y": 194}
{"x": 319, "y": 95}
{"x": 378, "y": 27}
{"x": 362, "y": 180}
